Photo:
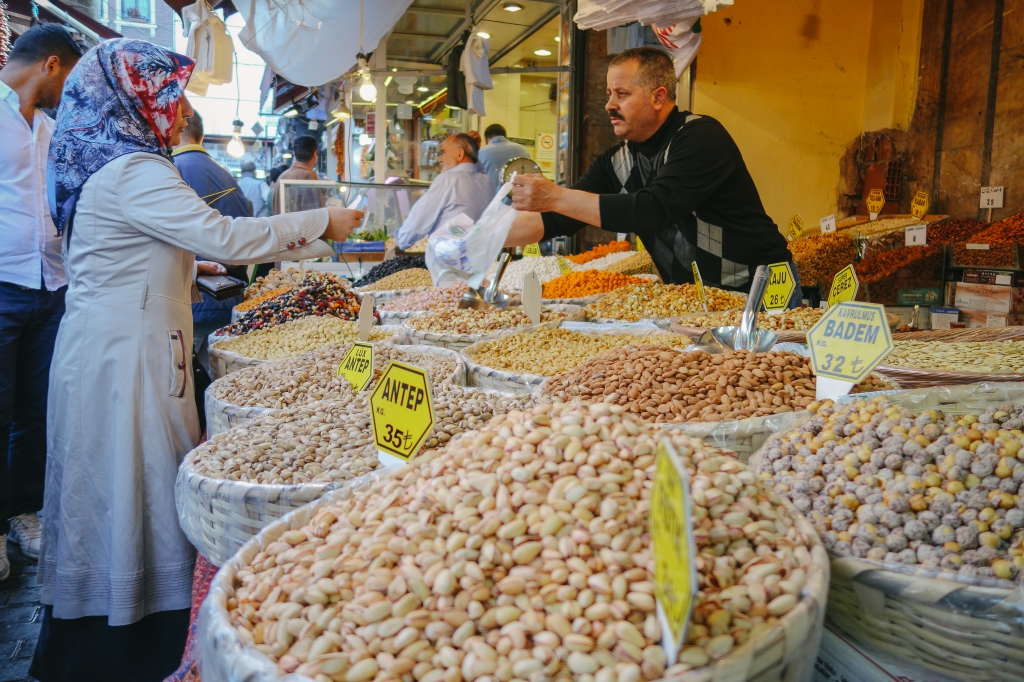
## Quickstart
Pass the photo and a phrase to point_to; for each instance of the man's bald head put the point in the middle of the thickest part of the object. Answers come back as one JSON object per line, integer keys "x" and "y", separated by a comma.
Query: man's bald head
{"x": 458, "y": 148}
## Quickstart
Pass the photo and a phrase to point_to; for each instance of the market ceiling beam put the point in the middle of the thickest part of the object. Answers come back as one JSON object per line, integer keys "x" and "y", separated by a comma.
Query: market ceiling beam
{"x": 530, "y": 30}
{"x": 419, "y": 36}
{"x": 440, "y": 11}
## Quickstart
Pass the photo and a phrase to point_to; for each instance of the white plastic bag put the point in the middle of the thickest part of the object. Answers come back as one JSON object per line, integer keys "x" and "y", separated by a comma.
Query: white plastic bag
{"x": 460, "y": 252}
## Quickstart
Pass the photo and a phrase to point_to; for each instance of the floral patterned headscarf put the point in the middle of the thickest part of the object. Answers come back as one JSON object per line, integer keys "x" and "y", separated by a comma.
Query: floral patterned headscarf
{"x": 121, "y": 97}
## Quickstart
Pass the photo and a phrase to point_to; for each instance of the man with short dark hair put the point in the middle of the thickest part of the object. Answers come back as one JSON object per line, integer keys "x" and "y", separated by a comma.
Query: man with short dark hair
{"x": 499, "y": 151}
{"x": 305, "y": 155}
{"x": 460, "y": 188}
{"x": 677, "y": 180}
{"x": 254, "y": 188}
{"x": 32, "y": 281}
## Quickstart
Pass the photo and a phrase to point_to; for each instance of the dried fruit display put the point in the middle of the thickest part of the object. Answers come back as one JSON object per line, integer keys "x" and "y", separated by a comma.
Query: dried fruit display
{"x": 321, "y": 294}
{"x": 638, "y": 301}
{"x": 823, "y": 255}
{"x": 587, "y": 283}
{"x": 600, "y": 251}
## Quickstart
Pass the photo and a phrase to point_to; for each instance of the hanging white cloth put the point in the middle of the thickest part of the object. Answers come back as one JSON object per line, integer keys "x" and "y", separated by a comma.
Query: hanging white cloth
{"x": 474, "y": 65}
{"x": 604, "y": 14}
{"x": 209, "y": 44}
{"x": 681, "y": 42}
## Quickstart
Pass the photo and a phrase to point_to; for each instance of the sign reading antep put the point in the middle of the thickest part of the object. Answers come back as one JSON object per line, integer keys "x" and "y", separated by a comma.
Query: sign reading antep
{"x": 402, "y": 410}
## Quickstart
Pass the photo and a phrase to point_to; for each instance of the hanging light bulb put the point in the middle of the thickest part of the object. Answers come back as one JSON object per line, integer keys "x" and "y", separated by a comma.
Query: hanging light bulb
{"x": 367, "y": 90}
{"x": 236, "y": 148}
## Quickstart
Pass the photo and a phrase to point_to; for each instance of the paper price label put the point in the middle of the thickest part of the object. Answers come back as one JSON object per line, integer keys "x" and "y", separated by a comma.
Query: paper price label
{"x": 357, "y": 365}
{"x": 675, "y": 573}
{"x": 844, "y": 286}
{"x": 531, "y": 296}
{"x": 563, "y": 266}
{"x": 919, "y": 205}
{"x": 796, "y": 227}
{"x": 991, "y": 197}
{"x": 699, "y": 282}
{"x": 531, "y": 250}
{"x": 366, "y": 319}
{"x": 916, "y": 235}
{"x": 875, "y": 202}
{"x": 780, "y": 287}
{"x": 849, "y": 341}
{"x": 402, "y": 410}
{"x": 828, "y": 224}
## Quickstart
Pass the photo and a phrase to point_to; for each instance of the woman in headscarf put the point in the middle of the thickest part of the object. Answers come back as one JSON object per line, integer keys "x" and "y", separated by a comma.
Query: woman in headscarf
{"x": 115, "y": 567}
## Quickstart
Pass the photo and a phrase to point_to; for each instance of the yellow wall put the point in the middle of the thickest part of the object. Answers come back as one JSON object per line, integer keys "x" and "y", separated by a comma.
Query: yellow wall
{"x": 796, "y": 81}
{"x": 520, "y": 103}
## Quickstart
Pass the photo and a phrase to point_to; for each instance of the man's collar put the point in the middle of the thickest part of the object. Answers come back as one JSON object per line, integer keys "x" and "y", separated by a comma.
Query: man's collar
{"x": 466, "y": 167}
{"x": 189, "y": 148}
{"x": 497, "y": 138}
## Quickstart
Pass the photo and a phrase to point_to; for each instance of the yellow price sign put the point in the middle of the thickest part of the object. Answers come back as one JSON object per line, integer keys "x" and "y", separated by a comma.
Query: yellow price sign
{"x": 844, "y": 286}
{"x": 781, "y": 285}
{"x": 531, "y": 250}
{"x": 876, "y": 200}
{"x": 919, "y": 205}
{"x": 849, "y": 341}
{"x": 357, "y": 365}
{"x": 563, "y": 266}
{"x": 639, "y": 245}
{"x": 675, "y": 574}
{"x": 402, "y": 410}
{"x": 699, "y": 282}
{"x": 796, "y": 227}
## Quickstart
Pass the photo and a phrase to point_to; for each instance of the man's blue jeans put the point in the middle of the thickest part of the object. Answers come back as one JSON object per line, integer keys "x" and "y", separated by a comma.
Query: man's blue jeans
{"x": 29, "y": 319}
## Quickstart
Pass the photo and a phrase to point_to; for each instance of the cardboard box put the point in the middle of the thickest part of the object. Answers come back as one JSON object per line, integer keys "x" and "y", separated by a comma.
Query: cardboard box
{"x": 842, "y": 660}
{"x": 999, "y": 277}
{"x": 984, "y": 318}
{"x": 942, "y": 318}
{"x": 927, "y": 296}
{"x": 993, "y": 298}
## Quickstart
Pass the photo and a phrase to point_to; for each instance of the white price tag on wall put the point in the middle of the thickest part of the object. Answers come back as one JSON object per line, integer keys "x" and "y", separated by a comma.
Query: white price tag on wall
{"x": 991, "y": 197}
{"x": 916, "y": 235}
{"x": 828, "y": 224}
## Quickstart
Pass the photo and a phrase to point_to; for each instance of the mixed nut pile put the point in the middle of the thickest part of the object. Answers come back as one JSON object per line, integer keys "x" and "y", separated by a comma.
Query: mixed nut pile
{"x": 961, "y": 356}
{"x": 250, "y": 303}
{"x": 638, "y": 301}
{"x": 434, "y": 299}
{"x": 320, "y": 294}
{"x": 666, "y": 385}
{"x": 885, "y": 483}
{"x": 520, "y": 551}
{"x": 297, "y": 337}
{"x": 390, "y": 267}
{"x": 332, "y": 440}
{"x": 547, "y": 352}
{"x": 476, "y": 321}
{"x": 289, "y": 278}
{"x": 410, "y": 278}
{"x": 314, "y": 376}
{"x": 795, "y": 319}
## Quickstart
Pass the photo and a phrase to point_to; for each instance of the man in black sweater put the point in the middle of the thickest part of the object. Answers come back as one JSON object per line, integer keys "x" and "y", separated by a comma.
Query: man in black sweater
{"x": 677, "y": 180}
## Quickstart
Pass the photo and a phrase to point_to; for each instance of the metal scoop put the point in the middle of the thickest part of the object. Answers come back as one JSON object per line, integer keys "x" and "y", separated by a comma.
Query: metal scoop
{"x": 746, "y": 336}
{"x": 487, "y": 296}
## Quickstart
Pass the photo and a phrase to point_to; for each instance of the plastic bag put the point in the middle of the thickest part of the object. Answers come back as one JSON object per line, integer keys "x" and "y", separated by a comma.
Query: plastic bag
{"x": 460, "y": 252}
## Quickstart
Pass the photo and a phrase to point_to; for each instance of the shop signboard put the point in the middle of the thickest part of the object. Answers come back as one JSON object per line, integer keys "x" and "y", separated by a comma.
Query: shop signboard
{"x": 675, "y": 573}
{"x": 780, "y": 287}
{"x": 849, "y": 341}
{"x": 402, "y": 410}
{"x": 357, "y": 365}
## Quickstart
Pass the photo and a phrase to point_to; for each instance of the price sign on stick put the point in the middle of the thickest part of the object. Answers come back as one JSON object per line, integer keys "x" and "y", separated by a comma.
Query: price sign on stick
{"x": 675, "y": 573}
{"x": 780, "y": 287}
{"x": 563, "y": 266}
{"x": 916, "y": 235}
{"x": 639, "y": 244}
{"x": 991, "y": 197}
{"x": 532, "y": 296}
{"x": 846, "y": 344}
{"x": 844, "y": 286}
{"x": 402, "y": 410}
{"x": 876, "y": 200}
{"x": 919, "y": 205}
{"x": 357, "y": 366}
{"x": 531, "y": 250}
{"x": 697, "y": 280}
{"x": 828, "y": 224}
{"x": 365, "y": 317}
{"x": 796, "y": 227}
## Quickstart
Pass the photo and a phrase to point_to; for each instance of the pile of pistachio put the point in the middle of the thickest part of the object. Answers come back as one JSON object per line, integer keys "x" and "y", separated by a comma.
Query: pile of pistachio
{"x": 885, "y": 483}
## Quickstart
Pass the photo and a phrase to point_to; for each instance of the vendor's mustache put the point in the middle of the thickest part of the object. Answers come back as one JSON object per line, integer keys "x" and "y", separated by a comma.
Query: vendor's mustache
{"x": 616, "y": 114}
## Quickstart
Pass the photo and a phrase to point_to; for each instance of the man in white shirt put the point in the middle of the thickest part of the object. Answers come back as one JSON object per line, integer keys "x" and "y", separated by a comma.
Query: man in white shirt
{"x": 460, "y": 188}
{"x": 499, "y": 151}
{"x": 32, "y": 281}
{"x": 253, "y": 188}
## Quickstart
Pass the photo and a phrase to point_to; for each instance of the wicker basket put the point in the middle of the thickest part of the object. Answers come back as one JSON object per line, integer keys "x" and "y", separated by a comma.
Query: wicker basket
{"x": 460, "y": 341}
{"x": 913, "y": 377}
{"x": 222, "y": 415}
{"x": 785, "y": 336}
{"x": 785, "y": 653}
{"x": 969, "y": 629}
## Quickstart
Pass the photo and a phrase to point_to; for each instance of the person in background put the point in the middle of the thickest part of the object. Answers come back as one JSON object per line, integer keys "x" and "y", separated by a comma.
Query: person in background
{"x": 460, "y": 188}
{"x": 217, "y": 187}
{"x": 32, "y": 280}
{"x": 499, "y": 151}
{"x": 303, "y": 167}
{"x": 254, "y": 189}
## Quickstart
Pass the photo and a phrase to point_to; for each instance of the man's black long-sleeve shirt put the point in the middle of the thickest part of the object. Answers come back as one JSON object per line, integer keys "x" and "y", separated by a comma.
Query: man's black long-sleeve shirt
{"x": 686, "y": 192}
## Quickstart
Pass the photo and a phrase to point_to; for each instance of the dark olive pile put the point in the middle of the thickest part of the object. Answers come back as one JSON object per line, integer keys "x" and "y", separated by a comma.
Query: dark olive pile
{"x": 390, "y": 267}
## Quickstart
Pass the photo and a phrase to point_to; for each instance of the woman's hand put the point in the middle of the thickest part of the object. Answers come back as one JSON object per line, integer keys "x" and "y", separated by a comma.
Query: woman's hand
{"x": 205, "y": 267}
{"x": 341, "y": 223}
